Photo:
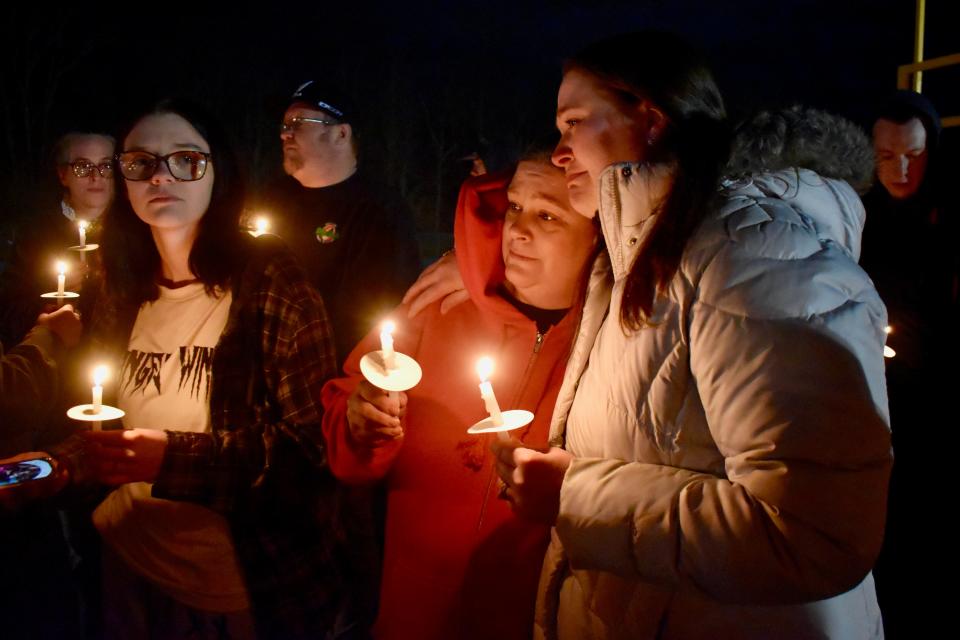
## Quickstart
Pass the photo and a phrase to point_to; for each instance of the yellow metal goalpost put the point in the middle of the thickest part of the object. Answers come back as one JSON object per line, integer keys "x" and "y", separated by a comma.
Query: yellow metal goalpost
{"x": 910, "y": 76}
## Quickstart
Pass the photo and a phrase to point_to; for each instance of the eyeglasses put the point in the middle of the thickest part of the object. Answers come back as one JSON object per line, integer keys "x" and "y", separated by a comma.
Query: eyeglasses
{"x": 293, "y": 124}
{"x": 83, "y": 168}
{"x": 184, "y": 166}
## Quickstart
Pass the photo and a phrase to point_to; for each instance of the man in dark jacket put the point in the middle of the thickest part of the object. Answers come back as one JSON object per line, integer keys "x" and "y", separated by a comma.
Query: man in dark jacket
{"x": 909, "y": 251}
{"x": 355, "y": 240}
{"x": 911, "y": 225}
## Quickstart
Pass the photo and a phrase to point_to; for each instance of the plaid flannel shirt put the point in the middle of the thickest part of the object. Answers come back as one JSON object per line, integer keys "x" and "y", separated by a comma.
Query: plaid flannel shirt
{"x": 263, "y": 464}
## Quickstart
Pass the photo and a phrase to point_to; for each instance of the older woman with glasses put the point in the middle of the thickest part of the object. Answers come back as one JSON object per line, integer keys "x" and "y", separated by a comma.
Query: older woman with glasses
{"x": 223, "y": 516}
{"x": 84, "y": 169}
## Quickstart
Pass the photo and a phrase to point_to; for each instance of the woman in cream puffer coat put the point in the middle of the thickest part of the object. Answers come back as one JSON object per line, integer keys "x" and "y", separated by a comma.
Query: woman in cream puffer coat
{"x": 720, "y": 466}
{"x": 734, "y": 458}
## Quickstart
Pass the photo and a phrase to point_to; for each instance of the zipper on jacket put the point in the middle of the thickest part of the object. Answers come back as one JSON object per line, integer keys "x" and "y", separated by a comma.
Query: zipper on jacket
{"x": 537, "y": 345}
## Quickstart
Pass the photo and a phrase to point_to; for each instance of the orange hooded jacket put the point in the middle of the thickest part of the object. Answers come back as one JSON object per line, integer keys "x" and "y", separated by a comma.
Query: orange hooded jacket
{"x": 457, "y": 562}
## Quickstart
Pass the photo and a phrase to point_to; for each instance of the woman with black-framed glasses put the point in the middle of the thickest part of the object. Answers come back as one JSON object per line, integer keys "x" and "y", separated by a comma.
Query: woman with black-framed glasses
{"x": 84, "y": 189}
{"x": 223, "y": 513}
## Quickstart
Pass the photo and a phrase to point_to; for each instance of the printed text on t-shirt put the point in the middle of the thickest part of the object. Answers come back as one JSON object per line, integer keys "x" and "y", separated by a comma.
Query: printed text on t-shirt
{"x": 141, "y": 368}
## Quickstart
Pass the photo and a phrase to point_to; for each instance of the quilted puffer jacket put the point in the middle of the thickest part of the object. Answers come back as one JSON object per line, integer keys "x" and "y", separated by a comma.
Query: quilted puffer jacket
{"x": 732, "y": 459}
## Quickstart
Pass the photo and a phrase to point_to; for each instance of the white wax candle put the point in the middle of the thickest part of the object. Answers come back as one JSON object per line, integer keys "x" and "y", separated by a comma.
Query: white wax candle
{"x": 61, "y": 278}
{"x": 386, "y": 345}
{"x": 484, "y": 369}
{"x": 99, "y": 375}
{"x": 82, "y": 227}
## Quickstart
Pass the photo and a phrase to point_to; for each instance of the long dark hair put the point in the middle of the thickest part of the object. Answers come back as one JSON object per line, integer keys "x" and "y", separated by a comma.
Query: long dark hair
{"x": 664, "y": 69}
{"x": 130, "y": 257}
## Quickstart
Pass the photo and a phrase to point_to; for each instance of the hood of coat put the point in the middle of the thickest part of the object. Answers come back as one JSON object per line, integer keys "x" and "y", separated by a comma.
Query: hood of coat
{"x": 830, "y": 207}
{"x": 477, "y": 235}
{"x": 630, "y": 194}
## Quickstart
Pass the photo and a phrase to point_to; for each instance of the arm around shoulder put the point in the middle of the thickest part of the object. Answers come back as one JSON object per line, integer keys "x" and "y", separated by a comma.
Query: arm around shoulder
{"x": 352, "y": 461}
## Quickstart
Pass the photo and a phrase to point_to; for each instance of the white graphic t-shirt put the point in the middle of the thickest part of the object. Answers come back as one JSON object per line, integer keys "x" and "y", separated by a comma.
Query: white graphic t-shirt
{"x": 183, "y": 548}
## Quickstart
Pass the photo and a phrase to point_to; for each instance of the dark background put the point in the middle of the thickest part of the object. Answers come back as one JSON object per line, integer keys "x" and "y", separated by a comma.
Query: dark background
{"x": 436, "y": 80}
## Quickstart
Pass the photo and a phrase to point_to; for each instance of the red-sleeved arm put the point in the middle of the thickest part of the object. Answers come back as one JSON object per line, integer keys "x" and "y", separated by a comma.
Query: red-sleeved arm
{"x": 348, "y": 462}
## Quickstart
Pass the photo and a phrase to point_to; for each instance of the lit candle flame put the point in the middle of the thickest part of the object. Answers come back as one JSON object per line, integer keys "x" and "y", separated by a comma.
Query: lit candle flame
{"x": 484, "y": 368}
{"x": 100, "y": 374}
{"x": 262, "y": 225}
{"x": 888, "y": 329}
{"x": 83, "y": 224}
{"x": 386, "y": 345}
{"x": 61, "y": 267}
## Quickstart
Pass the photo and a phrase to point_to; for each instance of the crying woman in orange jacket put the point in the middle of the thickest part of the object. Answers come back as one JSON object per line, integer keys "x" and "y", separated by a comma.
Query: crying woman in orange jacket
{"x": 457, "y": 562}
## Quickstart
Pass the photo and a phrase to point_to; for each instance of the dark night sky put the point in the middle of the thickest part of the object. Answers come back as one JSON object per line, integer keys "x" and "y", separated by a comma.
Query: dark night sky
{"x": 824, "y": 51}
{"x": 432, "y": 75}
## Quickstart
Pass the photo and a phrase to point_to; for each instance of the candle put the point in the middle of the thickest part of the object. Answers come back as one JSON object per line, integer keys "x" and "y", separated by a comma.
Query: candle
{"x": 82, "y": 227}
{"x": 386, "y": 345}
{"x": 484, "y": 369}
{"x": 887, "y": 351}
{"x": 99, "y": 375}
{"x": 61, "y": 277}
{"x": 259, "y": 226}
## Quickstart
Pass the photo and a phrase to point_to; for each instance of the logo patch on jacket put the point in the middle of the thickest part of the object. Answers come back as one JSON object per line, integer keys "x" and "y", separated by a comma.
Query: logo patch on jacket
{"x": 327, "y": 233}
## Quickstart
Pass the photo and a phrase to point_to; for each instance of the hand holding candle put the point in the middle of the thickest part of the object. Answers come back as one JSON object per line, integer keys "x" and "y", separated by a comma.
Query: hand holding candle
{"x": 390, "y": 371}
{"x": 374, "y": 415}
{"x": 531, "y": 479}
{"x": 484, "y": 370}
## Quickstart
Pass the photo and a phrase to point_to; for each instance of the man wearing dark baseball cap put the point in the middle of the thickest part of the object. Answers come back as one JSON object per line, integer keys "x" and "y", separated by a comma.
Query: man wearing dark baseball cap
{"x": 354, "y": 237}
